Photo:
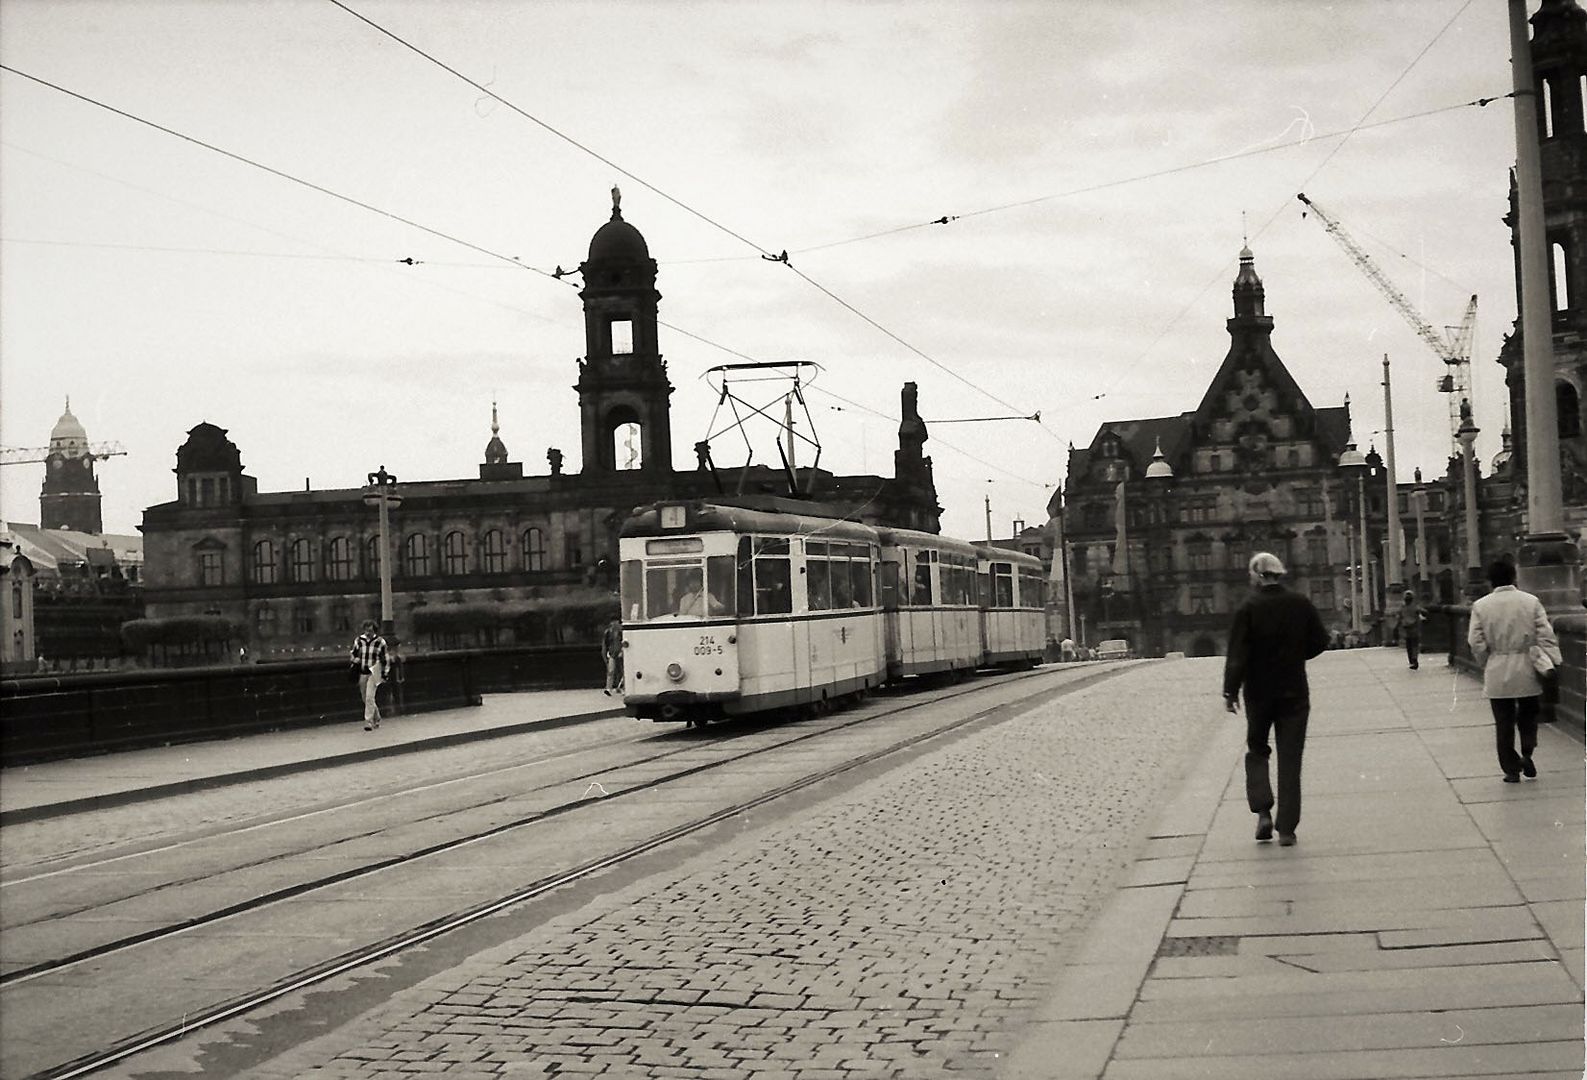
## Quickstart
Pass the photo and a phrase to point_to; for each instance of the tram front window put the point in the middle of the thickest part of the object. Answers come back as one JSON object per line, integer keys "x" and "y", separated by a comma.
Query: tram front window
{"x": 688, "y": 590}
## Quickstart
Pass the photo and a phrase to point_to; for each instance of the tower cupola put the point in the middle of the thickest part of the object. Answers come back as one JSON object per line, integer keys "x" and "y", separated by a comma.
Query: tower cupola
{"x": 624, "y": 395}
{"x": 1249, "y": 296}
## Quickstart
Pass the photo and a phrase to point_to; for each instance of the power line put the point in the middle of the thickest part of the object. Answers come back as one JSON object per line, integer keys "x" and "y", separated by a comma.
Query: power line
{"x": 1360, "y": 125}
{"x": 311, "y": 185}
{"x": 765, "y": 253}
{"x": 679, "y": 203}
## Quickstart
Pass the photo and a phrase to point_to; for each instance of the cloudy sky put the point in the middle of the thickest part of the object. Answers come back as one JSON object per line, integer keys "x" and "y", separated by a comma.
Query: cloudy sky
{"x": 1102, "y": 160}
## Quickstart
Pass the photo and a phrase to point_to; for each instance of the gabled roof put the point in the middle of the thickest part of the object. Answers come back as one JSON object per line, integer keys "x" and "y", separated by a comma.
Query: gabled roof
{"x": 48, "y": 549}
{"x": 1140, "y": 439}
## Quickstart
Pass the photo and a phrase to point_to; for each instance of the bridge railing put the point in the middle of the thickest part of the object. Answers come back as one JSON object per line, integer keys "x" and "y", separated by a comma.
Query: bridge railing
{"x": 69, "y": 715}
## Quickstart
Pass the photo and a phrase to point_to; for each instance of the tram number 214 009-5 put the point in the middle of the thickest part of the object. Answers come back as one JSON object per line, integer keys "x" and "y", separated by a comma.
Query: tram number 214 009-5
{"x": 708, "y": 647}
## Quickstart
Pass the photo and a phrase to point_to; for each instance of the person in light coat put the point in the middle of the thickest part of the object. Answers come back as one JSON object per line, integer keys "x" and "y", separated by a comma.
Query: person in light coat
{"x": 1505, "y": 626}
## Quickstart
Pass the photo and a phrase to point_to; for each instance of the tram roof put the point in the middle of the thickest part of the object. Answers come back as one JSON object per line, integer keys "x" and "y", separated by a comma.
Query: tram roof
{"x": 1001, "y": 554}
{"x": 776, "y": 520}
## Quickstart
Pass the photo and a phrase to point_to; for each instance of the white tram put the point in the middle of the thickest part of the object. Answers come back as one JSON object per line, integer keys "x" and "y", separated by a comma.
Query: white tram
{"x": 929, "y": 596}
{"x": 1013, "y": 608}
{"x": 788, "y": 614}
{"x": 733, "y": 609}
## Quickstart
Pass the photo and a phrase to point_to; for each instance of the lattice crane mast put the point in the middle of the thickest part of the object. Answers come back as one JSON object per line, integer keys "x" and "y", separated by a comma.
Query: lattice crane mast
{"x": 1453, "y": 347}
{"x": 28, "y": 454}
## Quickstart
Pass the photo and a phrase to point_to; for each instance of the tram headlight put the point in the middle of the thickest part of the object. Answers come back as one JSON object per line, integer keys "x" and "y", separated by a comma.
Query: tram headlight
{"x": 675, "y": 671}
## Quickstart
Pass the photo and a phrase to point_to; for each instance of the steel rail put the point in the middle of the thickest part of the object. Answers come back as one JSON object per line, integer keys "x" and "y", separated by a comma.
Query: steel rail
{"x": 406, "y": 939}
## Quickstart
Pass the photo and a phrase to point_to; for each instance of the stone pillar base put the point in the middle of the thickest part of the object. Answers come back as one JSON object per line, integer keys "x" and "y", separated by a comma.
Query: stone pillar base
{"x": 1549, "y": 567}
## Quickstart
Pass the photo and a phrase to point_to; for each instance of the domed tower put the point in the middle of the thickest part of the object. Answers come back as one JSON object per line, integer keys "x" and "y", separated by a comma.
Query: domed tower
{"x": 209, "y": 470}
{"x": 70, "y": 497}
{"x": 622, "y": 379}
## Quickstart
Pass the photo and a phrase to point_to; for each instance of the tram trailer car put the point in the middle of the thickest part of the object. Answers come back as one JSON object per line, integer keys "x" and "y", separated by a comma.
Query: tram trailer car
{"x": 788, "y": 615}
{"x": 930, "y": 604}
{"x": 1013, "y": 608}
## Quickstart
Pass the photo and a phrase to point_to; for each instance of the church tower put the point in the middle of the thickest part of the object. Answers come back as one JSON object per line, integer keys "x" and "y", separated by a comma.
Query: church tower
{"x": 70, "y": 498}
{"x": 622, "y": 379}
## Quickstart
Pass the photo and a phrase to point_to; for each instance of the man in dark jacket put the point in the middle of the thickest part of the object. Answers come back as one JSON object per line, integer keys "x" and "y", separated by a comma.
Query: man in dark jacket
{"x": 1274, "y": 633}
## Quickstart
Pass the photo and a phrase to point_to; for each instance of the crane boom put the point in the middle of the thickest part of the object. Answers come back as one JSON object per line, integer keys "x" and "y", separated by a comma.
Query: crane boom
{"x": 1454, "y": 349}
{"x": 27, "y": 454}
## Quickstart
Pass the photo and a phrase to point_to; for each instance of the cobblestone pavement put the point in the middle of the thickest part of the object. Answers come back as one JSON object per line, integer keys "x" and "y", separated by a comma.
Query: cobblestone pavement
{"x": 897, "y": 930}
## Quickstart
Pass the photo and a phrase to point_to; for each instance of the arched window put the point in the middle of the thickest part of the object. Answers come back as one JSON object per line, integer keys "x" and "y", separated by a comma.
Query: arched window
{"x": 1568, "y": 406}
{"x": 1560, "y": 278}
{"x": 454, "y": 560}
{"x": 628, "y": 446}
{"x": 264, "y": 563}
{"x": 416, "y": 555}
{"x": 495, "y": 552}
{"x": 534, "y": 550}
{"x": 300, "y": 561}
{"x": 339, "y": 562}
{"x": 372, "y": 557}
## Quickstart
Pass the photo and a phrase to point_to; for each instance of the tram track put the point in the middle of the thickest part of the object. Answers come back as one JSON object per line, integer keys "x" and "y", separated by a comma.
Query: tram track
{"x": 411, "y": 936}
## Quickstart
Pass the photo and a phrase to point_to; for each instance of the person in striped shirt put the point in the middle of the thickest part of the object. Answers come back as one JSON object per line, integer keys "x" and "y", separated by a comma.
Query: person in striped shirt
{"x": 369, "y": 656}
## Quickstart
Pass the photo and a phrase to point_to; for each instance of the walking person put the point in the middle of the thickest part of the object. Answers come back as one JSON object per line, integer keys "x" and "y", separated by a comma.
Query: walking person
{"x": 612, "y": 653}
{"x": 1411, "y": 617}
{"x": 370, "y": 657}
{"x": 1274, "y": 633}
{"x": 1509, "y": 631}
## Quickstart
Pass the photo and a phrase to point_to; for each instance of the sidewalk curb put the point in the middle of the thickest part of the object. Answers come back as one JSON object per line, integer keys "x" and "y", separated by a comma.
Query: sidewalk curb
{"x": 45, "y": 811}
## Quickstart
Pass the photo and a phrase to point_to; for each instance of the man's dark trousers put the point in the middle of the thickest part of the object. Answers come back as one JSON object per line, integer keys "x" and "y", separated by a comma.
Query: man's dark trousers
{"x": 1413, "y": 647}
{"x": 1286, "y": 718}
{"x": 1512, "y": 715}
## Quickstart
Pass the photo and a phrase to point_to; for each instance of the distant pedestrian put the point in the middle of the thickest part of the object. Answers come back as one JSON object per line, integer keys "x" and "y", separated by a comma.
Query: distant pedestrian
{"x": 612, "y": 653}
{"x": 1067, "y": 649}
{"x": 370, "y": 657}
{"x": 1509, "y": 631}
{"x": 1274, "y": 633}
{"x": 1410, "y": 619}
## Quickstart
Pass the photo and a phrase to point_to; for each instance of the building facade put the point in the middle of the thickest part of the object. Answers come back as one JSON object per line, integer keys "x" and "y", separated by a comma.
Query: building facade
{"x": 1559, "y": 65}
{"x": 500, "y": 558}
{"x": 1160, "y": 516}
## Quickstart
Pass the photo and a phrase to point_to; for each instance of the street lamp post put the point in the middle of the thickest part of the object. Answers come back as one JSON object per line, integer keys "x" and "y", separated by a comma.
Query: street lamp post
{"x": 1351, "y": 462}
{"x": 1419, "y": 501}
{"x": 1474, "y": 585}
{"x": 384, "y": 496}
{"x": 1393, "y": 570}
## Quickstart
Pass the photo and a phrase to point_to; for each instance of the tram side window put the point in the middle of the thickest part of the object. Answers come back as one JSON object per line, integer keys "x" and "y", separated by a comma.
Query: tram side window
{"x": 818, "y": 581}
{"x": 745, "y": 569}
{"x": 1002, "y": 585}
{"x": 773, "y": 577}
{"x": 630, "y": 586}
{"x": 860, "y": 582}
{"x": 920, "y": 593}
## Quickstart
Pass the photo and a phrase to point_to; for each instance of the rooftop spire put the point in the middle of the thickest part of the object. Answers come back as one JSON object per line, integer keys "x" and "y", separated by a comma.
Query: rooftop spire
{"x": 617, "y": 203}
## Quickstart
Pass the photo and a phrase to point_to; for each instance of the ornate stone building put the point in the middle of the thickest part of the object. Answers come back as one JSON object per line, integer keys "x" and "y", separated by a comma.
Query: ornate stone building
{"x": 499, "y": 558}
{"x": 1161, "y": 515}
{"x": 1559, "y": 63}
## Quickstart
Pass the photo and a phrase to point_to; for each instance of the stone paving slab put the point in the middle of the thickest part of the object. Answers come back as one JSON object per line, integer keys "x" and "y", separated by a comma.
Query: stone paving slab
{"x": 1428, "y": 924}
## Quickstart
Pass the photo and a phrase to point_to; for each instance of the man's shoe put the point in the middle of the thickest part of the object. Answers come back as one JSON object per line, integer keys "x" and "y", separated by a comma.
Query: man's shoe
{"x": 1286, "y": 839}
{"x": 1528, "y": 770}
{"x": 1264, "y": 825}
{"x": 368, "y": 726}
{"x": 1511, "y": 778}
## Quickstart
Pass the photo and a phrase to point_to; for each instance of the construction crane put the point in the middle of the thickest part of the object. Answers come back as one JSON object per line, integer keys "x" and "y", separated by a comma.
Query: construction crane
{"x": 1453, "y": 347}
{"x": 29, "y": 454}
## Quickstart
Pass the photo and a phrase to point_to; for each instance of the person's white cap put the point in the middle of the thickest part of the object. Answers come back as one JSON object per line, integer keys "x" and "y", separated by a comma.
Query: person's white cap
{"x": 1266, "y": 564}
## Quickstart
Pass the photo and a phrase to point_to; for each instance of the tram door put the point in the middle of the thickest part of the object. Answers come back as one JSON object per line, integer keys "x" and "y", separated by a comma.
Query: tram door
{"x": 887, "y": 592}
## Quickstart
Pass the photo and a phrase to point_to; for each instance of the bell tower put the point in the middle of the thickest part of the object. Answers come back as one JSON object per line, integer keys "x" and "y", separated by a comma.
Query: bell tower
{"x": 624, "y": 411}
{"x": 70, "y": 497}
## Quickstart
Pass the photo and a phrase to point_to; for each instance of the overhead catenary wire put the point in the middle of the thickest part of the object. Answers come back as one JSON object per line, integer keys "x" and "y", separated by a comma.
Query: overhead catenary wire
{"x": 1359, "y": 125}
{"x": 765, "y": 253}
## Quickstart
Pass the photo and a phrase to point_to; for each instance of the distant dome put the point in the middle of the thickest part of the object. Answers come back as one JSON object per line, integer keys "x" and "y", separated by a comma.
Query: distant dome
{"x": 68, "y": 434}
{"x": 618, "y": 241}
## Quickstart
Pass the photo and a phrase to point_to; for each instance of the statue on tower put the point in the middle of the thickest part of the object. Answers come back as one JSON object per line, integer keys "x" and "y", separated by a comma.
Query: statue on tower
{"x": 617, "y": 201}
